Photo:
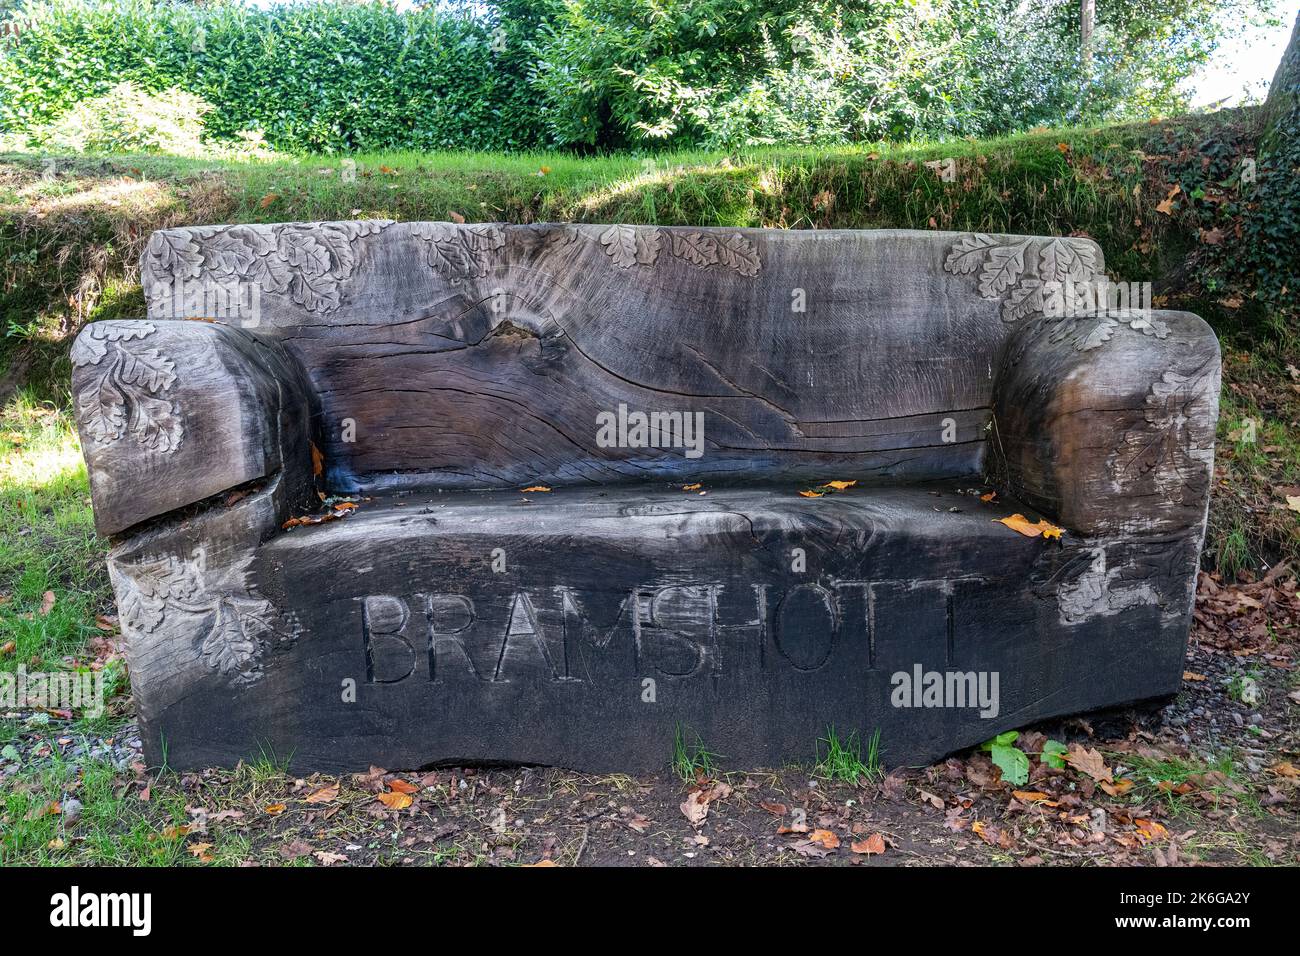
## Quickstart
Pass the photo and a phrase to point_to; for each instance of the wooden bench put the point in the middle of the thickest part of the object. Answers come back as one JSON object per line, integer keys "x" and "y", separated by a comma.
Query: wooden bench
{"x": 673, "y": 579}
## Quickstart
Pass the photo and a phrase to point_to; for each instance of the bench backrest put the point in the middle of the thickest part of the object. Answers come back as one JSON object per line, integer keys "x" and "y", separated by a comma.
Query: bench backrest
{"x": 449, "y": 355}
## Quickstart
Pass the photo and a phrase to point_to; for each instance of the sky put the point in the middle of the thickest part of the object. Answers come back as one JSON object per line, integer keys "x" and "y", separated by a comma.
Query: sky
{"x": 1247, "y": 60}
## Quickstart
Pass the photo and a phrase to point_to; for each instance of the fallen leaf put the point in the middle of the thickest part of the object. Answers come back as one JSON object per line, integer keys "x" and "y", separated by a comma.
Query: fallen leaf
{"x": 327, "y": 858}
{"x": 1293, "y": 502}
{"x": 1191, "y": 675}
{"x": 1118, "y": 788}
{"x": 456, "y": 217}
{"x": 826, "y": 838}
{"x": 691, "y": 487}
{"x": 1018, "y": 522}
{"x": 401, "y": 786}
{"x": 268, "y": 199}
{"x": 776, "y": 809}
{"x": 840, "y": 485}
{"x": 535, "y": 488}
{"x": 544, "y": 863}
{"x": 7, "y": 648}
{"x": 1090, "y": 762}
{"x": 47, "y": 603}
{"x": 990, "y": 496}
{"x": 326, "y": 794}
{"x": 317, "y": 461}
{"x": 872, "y": 844}
{"x": 811, "y": 494}
{"x": 395, "y": 801}
{"x": 200, "y": 852}
{"x": 275, "y": 808}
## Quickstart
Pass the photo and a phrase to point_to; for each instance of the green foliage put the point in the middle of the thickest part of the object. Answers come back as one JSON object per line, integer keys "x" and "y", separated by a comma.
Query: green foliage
{"x": 345, "y": 76}
{"x": 1053, "y": 754}
{"x": 1010, "y": 759}
{"x": 331, "y": 76}
{"x": 128, "y": 120}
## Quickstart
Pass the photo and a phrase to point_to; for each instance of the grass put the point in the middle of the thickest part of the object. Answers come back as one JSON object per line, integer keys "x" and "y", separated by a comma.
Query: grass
{"x": 48, "y": 544}
{"x": 72, "y": 238}
{"x": 1160, "y": 779}
{"x": 843, "y": 759}
{"x": 692, "y": 761}
{"x": 39, "y": 819}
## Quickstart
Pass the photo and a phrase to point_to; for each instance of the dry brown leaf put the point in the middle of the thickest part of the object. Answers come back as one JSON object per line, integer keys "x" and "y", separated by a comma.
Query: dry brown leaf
{"x": 47, "y": 603}
{"x": 1090, "y": 762}
{"x": 535, "y": 488}
{"x": 1118, "y": 788}
{"x": 811, "y": 494}
{"x": 200, "y": 852}
{"x": 317, "y": 461}
{"x": 840, "y": 485}
{"x": 268, "y": 199}
{"x": 456, "y": 217}
{"x": 275, "y": 808}
{"x": 872, "y": 844}
{"x": 326, "y": 794}
{"x": 691, "y": 487}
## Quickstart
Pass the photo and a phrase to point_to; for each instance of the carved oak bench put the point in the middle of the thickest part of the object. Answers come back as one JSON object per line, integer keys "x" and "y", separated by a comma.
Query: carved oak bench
{"x": 676, "y": 390}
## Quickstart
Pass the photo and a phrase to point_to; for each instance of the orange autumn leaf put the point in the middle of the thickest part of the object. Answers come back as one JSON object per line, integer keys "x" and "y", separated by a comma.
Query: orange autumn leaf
{"x": 535, "y": 488}
{"x": 275, "y": 808}
{"x": 401, "y": 786}
{"x": 1018, "y": 522}
{"x": 395, "y": 801}
{"x": 1034, "y": 796}
{"x": 1118, "y": 788}
{"x": 200, "y": 852}
{"x": 346, "y": 506}
{"x": 1192, "y": 675}
{"x": 990, "y": 496}
{"x": 826, "y": 838}
{"x": 872, "y": 844}
{"x": 811, "y": 494}
{"x": 840, "y": 485}
{"x": 1150, "y": 830}
{"x": 691, "y": 487}
{"x": 268, "y": 199}
{"x": 317, "y": 461}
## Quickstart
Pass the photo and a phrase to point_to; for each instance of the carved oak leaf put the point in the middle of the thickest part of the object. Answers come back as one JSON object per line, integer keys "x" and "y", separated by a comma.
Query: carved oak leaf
{"x": 124, "y": 394}
{"x": 229, "y": 625}
{"x": 1173, "y": 445}
{"x": 967, "y": 254}
{"x": 1004, "y": 266}
{"x": 737, "y": 252}
{"x": 620, "y": 245}
{"x": 460, "y": 252}
{"x": 234, "y": 253}
{"x": 101, "y": 409}
{"x": 696, "y": 248}
{"x": 1025, "y": 299}
{"x": 231, "y": 643}
{"x": 174, "y": 253}
{"x": 1064, "y": 260}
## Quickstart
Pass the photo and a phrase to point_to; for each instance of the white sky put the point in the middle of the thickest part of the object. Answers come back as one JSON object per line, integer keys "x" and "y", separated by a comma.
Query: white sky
{"x": 1243, "y": 66}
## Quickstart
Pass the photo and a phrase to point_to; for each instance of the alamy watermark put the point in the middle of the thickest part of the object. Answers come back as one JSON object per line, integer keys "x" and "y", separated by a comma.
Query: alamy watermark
{"x": 673, "y": 429}
{"x": 231, "y": 301}
{"x": 1070, "y": 299}
{"x": 946, "y": 689}
{"x": 79, "y": 692}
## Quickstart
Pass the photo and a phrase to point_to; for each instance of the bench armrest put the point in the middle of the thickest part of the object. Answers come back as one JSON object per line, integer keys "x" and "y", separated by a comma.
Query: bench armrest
{"x": 1106, "y": 421}
{"x": 173, "y": 412}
